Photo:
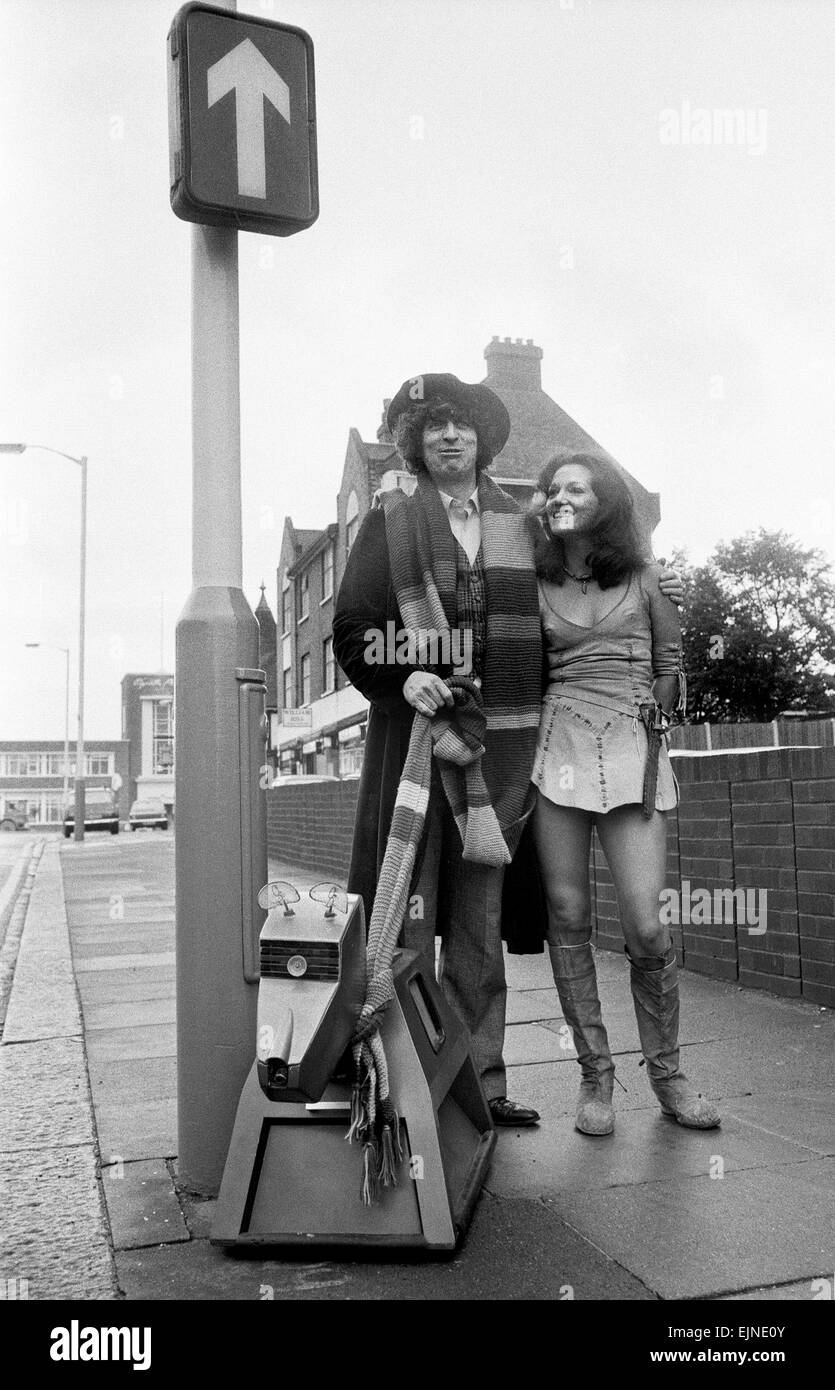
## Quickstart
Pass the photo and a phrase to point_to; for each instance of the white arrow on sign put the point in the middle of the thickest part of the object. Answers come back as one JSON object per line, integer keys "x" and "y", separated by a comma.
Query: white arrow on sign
{"x": 246, "y": 71}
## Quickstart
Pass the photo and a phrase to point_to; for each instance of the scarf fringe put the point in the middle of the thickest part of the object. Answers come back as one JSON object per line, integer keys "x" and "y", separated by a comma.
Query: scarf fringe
{"x": 370, "y": 1166}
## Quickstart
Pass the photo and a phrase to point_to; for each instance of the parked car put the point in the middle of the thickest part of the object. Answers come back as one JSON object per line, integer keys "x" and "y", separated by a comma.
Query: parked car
{"x": 150, "y": 814}
{"x": 12, "y": 815}
{"x": 101, "y": 812}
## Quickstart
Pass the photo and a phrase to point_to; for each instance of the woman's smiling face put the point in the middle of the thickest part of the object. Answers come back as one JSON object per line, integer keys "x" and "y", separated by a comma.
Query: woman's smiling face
{"x": 571, "y": 504}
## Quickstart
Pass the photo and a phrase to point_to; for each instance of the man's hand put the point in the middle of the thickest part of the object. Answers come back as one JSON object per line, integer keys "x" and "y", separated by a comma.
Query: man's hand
{"x": 669, "y": 582}
{"x": 426, "y": 692}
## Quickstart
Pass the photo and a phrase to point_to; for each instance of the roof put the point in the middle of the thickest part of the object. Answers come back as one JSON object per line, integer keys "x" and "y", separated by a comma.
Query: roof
{"x": 315, "y": 544}
{"x": 304, "y": 539}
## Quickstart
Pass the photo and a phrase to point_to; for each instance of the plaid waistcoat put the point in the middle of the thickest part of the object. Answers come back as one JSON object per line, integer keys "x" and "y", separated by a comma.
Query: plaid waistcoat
{"x": 470, "y": 602}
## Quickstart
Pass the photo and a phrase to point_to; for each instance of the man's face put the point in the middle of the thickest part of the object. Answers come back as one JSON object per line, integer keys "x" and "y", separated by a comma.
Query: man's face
{"x": 449, "y": 451}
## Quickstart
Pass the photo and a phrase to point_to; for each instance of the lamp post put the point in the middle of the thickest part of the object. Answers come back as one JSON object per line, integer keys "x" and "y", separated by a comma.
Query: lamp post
{"x": 49, "y": 646}
{"x": 79, "y": 757}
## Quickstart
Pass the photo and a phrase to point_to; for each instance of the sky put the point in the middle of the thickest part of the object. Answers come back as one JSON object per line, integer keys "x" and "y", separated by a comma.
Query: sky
{"x": 545, "y": 169}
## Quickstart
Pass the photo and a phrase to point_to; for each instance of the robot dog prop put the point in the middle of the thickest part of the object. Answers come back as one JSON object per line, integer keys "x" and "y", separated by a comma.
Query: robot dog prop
{"x": 290, "y": 1177}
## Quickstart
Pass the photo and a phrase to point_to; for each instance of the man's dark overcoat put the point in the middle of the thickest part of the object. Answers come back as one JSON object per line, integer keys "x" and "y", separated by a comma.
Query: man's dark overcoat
{"x": 365, "y": 605}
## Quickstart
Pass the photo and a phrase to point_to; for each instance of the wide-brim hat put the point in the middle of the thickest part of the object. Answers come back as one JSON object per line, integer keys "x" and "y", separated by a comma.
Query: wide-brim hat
{"x": 483, "y": 407}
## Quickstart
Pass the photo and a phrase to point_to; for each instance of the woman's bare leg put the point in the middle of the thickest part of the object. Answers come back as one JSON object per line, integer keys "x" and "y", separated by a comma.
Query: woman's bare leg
{"x": 563, "y": 838}
{"x": 636, "y": 852}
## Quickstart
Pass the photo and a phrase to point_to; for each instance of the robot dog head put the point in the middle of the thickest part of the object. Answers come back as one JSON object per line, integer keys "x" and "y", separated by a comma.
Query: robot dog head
{"x": 312, "y": 987}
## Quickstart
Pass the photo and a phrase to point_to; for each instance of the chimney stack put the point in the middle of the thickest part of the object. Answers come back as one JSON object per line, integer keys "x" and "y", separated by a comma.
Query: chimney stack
{"x": 513, "y": 365}
{"x": 383, "y": 431}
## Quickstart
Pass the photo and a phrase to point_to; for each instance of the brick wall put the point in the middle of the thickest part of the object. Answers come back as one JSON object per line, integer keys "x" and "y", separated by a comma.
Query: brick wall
{"x": 310, "y": 823}
{"x": 747, "y": 825}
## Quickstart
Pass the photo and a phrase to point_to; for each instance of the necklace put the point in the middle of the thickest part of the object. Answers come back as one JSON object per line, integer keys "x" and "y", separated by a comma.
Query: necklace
{"x": 582, "y": 579}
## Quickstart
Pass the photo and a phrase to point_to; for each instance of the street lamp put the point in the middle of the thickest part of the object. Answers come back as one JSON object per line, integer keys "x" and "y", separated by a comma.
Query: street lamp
{"x": 79, "y": 757}
{"x": 49, "y": 646}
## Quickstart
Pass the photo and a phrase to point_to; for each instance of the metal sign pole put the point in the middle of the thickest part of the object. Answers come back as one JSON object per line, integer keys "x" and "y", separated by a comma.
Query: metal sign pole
{"x": 216, "y": 634}
{"x": 265, "y": 182}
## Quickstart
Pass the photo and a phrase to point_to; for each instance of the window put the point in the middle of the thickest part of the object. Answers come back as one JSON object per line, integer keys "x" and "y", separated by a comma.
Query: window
{"x": 163, "y": 735}
{"x": 328, "y": 665}
{"x": 352, "y": 521}
{"x": 305, "y": 673}
{"x": 304, "y": 596}
{"x": 286, "y": 606}
{"x": 327, "y": 572}
{"x": 23, "y": 764}
{"x": 98, "y": 764}
{"x": 288, "y": 688}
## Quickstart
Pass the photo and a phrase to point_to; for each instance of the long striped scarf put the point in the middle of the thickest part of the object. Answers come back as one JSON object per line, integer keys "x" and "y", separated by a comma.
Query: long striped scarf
{"x": 423, "y": 569}
{"x": 484, "y": 747}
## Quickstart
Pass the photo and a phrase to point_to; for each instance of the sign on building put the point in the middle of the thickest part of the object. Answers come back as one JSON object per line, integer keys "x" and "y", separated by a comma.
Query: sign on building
{"x": 242, "y": 121}
{"x": 297, "y": 718}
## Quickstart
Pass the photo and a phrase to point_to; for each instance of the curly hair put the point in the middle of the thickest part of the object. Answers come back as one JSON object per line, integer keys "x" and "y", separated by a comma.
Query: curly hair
{"x": 615, "y": 549}
{"x": 409, "y": 427}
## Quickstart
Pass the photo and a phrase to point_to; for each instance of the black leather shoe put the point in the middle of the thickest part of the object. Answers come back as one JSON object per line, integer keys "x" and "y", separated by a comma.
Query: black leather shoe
{"x": 507, "y": 1112}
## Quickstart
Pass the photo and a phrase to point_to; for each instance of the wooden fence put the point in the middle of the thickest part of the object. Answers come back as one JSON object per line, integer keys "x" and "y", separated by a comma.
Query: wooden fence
{"x": 780, "y": 733}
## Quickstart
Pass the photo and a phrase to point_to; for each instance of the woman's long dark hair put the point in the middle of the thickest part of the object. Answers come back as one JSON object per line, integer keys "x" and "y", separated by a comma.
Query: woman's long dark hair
{"x": 615, "y": 550}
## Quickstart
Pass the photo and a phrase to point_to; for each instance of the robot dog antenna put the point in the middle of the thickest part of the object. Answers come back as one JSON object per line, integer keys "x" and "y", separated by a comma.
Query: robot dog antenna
{"x": 334, "y": 898}
{"x": 278, "y": 894}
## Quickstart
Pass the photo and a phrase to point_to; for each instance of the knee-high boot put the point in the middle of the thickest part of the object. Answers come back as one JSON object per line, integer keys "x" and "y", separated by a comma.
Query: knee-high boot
{"x": 654, "y": 981}
{"x": 576, "y": 981}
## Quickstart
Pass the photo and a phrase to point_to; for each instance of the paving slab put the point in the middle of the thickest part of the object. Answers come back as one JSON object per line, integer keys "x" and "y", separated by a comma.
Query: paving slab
{"x": 514, "y": 1251}
{"x": 696, "y": 1237}
{"x": 118, "y": 986}
{"x": 128, "y": 1044}
{"x": 44, "y": 1096}
{"x": 534, "y": 1042}
{"x": 90, "y": 943}
{"x": 142, "y": 1205}
{"x": 137, "y": 1129}
{"x": 54, "y": 1229}
{"x": 533, "y": 1005}
{"x": 805, "y": 1116}
{"x": 119, "y": 1081}
{"x": 161, "y": 960}
{"x": 646, "y": 1147}
{"x": 772, "y": 1062}
{"x": 43, "y": 1002}
{"x": 131, "y": 1013}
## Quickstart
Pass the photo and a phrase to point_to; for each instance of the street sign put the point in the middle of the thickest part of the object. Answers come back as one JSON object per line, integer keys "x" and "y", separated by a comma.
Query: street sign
{"x": 241, "y": 121}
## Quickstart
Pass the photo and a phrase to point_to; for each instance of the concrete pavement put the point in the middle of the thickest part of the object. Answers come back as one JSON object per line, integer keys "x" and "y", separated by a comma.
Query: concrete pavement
{"x": 88, "y": 1082}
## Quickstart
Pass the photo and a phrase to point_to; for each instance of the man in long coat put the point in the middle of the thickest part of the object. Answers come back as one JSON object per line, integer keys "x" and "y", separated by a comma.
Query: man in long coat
{"x": 459, "y": 542}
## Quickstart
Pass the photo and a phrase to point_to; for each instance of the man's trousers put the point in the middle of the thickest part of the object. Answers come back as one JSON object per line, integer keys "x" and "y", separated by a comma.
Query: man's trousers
{"x": 461, "y": 902}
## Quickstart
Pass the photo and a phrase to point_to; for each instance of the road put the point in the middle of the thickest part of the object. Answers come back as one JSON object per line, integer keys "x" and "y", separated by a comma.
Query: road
{"x": 11, "y": 847}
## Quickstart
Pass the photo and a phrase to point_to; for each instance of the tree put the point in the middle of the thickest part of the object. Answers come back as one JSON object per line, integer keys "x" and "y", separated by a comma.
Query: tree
{"x": 759, "y": 629}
